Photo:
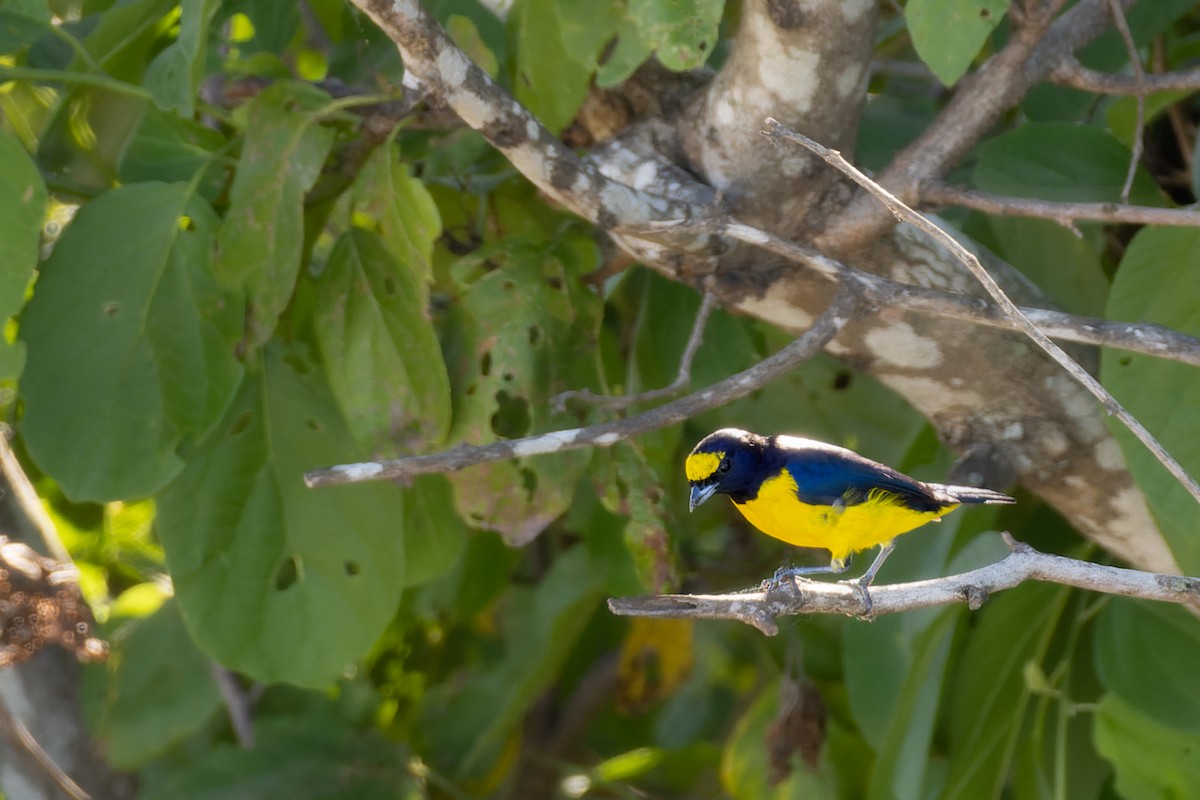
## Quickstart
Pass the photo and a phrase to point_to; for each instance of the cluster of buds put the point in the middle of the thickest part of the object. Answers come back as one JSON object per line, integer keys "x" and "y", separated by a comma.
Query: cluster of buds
{"x": 40, "y": 605}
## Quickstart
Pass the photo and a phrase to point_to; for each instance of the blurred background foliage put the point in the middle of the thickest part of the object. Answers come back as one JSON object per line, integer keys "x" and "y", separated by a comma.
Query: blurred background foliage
{"x": 221, "y": 269}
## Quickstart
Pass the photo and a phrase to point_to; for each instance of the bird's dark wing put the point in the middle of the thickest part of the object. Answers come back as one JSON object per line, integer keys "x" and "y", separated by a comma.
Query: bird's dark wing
{"x": 825, "y": 474}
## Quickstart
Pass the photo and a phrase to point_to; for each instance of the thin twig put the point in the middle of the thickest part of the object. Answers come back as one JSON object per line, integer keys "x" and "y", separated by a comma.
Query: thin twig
{"x": 968, "y": 259}
{"x": 237, "y": 706}
{"x": 1073, "y": 74}
{"x": 1067, "y": 214}
{"x": 22, "y": 738}
{"x": 27, "y": 497}
{"x": 881, "y": 292}
{"x": 844, "y": 307}
{"x": 1139, "y": 75}
{"x": 682, "y": 380}
{"x": 761, "y": 608}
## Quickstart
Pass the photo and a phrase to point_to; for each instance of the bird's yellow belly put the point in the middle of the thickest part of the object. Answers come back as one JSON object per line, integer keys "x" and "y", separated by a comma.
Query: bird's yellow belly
{"x": 778, "y": 512}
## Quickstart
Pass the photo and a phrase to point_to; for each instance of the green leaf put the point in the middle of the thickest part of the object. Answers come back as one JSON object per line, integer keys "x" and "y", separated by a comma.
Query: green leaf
{"x": 903, "y": 761}
{"x": 160, "y": 689}
{"x": 276, "y": 580}
{"x": 470, "y": 721}
{"x": 526, "y": 329}
{"x": 300, "y": 757}
{"x": 150, "y": 337}
{"x": 380, "y": 349}
{"x": 987, "y": 692}
{"x": 1152, "y": 760}
{"x": 166, "y": 147}
{"x": 1146, "y": 653}
{"x": 175, "y": 73}
{"x": 22, "y": 209}
{"x": 262, "y": 239}
{"x": 397, "y": 206}
{"x": 1159, "y": 281}
{"x": 548, "y": 81}
{"x": 947, "y": 34}
{"x": 22, "y": 22}
{"x": 628, "y": 53}
{"x": 1065, "y": 266}
{"x": 434, "y": 535}
{"x": 586, "y": 29}
{"x": 682, "y": 32}
{"x": 1063, "y": 162}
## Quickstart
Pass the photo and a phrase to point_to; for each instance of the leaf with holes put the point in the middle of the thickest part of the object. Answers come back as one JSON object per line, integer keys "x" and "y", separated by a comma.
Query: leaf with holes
{"x": 383, "y": 357}
{"x": 146, "y": 362}
{"x": 1159, "y": 281}
{"x": 526, "y": 331}
{"x": 276, "y": 580}
{"x": 262, "y": 238}
{"x": 682, "y": 32}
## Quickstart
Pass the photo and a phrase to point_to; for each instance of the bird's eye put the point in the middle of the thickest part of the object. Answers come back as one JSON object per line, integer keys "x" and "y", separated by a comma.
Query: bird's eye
{"x": 724, "y": 466}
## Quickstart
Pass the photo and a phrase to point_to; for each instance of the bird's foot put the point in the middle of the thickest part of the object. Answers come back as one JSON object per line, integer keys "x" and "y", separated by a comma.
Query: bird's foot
{"x": 864, "y": 592}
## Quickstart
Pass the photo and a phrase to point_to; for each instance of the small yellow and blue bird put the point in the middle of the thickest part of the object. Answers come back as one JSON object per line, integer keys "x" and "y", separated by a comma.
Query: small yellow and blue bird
{"x": 812, "y": 494}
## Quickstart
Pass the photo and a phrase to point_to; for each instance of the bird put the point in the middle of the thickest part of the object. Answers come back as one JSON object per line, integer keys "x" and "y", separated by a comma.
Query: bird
{"x": 812, "y": 494}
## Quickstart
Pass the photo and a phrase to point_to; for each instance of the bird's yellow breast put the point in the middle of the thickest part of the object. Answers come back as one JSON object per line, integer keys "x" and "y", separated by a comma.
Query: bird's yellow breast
{"x": 778, "y": 511}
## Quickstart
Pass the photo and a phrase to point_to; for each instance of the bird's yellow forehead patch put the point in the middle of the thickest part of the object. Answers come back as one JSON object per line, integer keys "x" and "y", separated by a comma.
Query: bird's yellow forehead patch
{"x": 701, "y": 466}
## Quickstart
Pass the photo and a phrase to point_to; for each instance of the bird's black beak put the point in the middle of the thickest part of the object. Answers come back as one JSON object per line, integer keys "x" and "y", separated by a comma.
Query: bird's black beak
{"x": 700, "y": 493}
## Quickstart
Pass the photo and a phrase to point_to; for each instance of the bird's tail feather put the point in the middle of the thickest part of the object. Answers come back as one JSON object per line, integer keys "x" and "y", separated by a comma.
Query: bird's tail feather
{"x": 972, "y": 495}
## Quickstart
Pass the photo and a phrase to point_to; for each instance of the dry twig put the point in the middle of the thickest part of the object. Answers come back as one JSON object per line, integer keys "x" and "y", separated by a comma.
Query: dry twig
{"x": 1065, "y": 214}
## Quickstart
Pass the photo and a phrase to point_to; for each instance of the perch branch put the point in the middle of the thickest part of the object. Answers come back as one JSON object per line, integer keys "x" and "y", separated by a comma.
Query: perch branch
{"x": 843, "y": 308}
{"x": 968, "y": 259}
{"x": 1066, "y": 214}
{"x": 761, "y": 608}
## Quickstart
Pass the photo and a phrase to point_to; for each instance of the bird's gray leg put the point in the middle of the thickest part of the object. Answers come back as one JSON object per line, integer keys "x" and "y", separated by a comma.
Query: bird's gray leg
{"x": 836, "y": 567}
{"x": 862, "y": 582}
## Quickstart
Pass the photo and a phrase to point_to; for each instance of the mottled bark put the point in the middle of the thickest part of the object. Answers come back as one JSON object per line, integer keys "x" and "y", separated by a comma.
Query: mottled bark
{"x": 991, "y": 394}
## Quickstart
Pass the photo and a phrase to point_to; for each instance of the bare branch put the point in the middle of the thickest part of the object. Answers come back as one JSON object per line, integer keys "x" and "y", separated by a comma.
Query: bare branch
{"x": 21, "y": 738}
{"x": 978, "y": 103}
{"x": 237, "y": 706}
{"x": 1076, "y": 76}
{"x": 881, "y": 292}
{"x": 843, "y": 308}
{"x": 1065, "y": 214}
{"x": 968, "y": 259}
{"x": 1139, "y": 75}
{"x": 761, "y": 608}
{"x": 684, "y": 377}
